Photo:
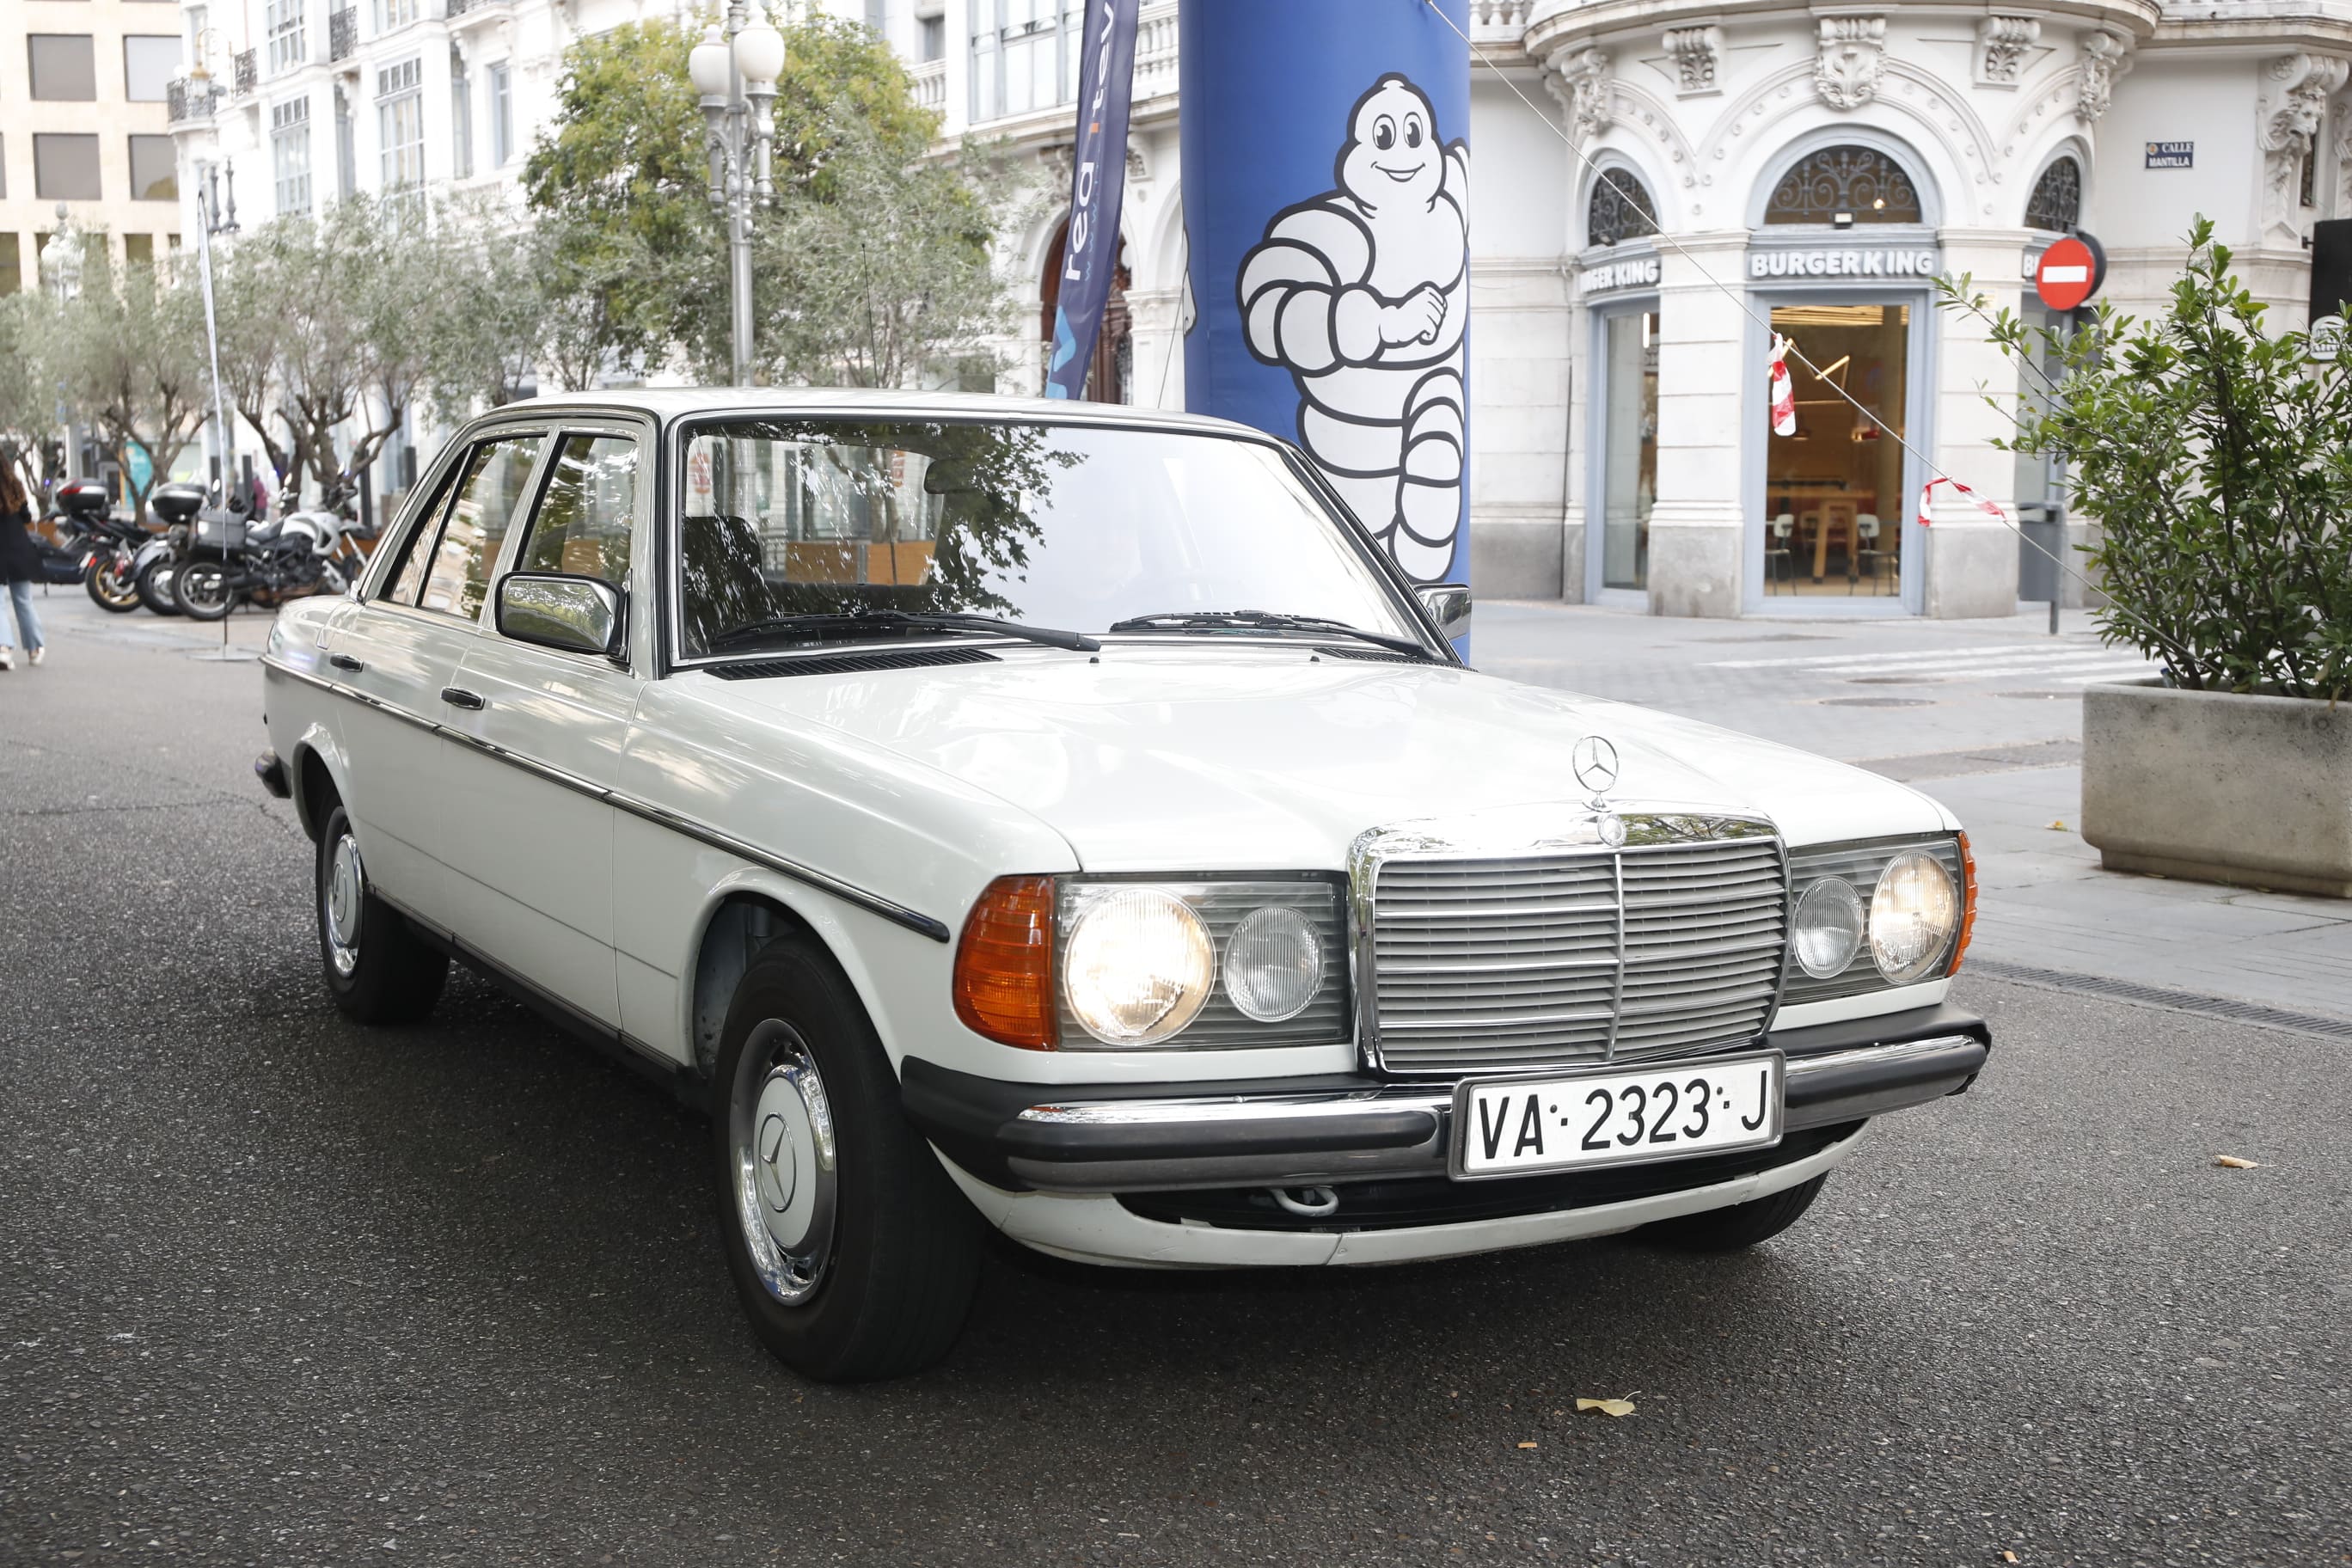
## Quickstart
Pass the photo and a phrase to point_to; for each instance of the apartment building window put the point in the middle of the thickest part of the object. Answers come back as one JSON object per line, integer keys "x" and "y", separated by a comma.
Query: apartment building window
{"x": 154, "y": 170}
{"x": 139, "y": 249}
{"x": 65, "y": 167}
{"x": 501, "y": 116}
{"x": 461, "y": 120}
{"x": 1024, "y": 55}
{"x": 391, "y": 13}
{"x": 12, "y": 266}
{"x": 400, "y": 125}
{"x": 284, "y": 21}
{"x": 64, "y": 66}
{"x": 149, "y": 61}
{"x": 931, "y": 38}
{"x": 289, "y": 154}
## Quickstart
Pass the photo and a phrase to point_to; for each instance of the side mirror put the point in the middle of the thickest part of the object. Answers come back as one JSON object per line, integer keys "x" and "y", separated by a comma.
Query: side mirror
{"x": 1448, "y": 604}
{"x": 577, "y": 614}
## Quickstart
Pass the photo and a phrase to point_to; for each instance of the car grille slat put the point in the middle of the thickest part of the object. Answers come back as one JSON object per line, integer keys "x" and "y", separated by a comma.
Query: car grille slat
{"x": 1566, "y": 958}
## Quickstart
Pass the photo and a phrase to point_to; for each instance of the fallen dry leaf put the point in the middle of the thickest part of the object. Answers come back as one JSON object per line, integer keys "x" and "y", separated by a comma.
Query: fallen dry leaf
{"x": 2009, "y": 1557}
{"x": 1526, "y": 1445}
{"x": 2231, "y": 1162}
{"x": 1607, "y": 1406}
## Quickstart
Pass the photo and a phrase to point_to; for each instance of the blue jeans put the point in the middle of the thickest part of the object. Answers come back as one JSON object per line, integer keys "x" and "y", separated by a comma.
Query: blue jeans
{"x": 27, "y": 622}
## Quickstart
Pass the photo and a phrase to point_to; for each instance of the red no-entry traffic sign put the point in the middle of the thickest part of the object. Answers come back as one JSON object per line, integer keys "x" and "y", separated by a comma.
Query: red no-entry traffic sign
{"x": 2068, "y": 272}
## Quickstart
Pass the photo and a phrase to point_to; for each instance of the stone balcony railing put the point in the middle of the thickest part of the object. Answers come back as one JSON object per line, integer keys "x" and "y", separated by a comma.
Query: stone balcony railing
{"x": 930, "y": 81}
{"x": 1155, "y": 50}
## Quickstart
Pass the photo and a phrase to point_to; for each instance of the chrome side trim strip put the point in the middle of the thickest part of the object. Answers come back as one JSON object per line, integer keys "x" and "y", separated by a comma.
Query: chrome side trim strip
{"x": 808, "y": 876}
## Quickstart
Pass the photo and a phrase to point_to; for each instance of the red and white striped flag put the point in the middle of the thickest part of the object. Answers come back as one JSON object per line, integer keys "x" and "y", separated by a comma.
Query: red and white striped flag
{"x": 1784, "y": 390}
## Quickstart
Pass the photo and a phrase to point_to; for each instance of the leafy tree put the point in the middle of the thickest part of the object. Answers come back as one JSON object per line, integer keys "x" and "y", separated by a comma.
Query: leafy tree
{"x": 127, "y": 354}
{"x": 624, "y": 173}
{"x": 28, "y": 397}
{"x": 487, "y": 324}
{"x": 2219, "y": 463}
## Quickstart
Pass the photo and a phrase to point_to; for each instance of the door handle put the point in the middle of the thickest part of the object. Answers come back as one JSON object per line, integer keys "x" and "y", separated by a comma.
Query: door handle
{"x": 345, "y": 661}
{"x": 458, "y": 697}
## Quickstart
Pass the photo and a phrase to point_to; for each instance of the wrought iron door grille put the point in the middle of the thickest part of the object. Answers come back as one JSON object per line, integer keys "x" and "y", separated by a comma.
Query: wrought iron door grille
{"x": 1565, "y": 957}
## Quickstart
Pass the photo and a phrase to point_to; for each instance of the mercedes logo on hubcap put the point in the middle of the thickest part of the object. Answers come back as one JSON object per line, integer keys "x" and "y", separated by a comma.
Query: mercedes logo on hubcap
{"x": 1595, "y": 761}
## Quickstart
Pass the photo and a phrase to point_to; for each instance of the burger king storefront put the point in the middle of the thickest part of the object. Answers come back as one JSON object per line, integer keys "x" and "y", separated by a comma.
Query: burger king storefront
{"x": 1692, "y": 503}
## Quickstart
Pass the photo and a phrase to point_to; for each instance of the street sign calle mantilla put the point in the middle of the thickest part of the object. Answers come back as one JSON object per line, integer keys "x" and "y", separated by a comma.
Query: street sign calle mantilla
{"x": 2172, "y": 155}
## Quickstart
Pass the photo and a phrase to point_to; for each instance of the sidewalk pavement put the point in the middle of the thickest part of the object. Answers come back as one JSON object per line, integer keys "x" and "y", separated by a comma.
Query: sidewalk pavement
{"x": 1985, "y": 716}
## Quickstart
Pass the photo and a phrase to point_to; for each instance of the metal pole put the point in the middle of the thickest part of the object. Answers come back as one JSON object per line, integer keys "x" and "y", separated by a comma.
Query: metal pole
{"x": 212, "y": 349}
{"x": 739, "y": 219}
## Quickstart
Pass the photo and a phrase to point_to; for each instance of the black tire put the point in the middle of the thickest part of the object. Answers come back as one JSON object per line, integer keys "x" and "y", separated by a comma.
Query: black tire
{"x": 153, "y": 585}
{"x": 892, "y": 1260}
{"x": 201, "y": 590}
{"x": 384, "y": 974}
{"x": 1741, "y": 1224}
{"x": 109, "y": 585}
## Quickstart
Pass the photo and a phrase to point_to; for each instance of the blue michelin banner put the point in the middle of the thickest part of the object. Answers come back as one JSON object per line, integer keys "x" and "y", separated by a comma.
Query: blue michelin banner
{"x": 1327, "y": 168}
{"x": 1097, "y": 182}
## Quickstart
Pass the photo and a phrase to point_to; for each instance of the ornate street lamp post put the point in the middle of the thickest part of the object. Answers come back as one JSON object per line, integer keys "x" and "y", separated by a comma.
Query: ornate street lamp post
{"x": 735, "y": 72}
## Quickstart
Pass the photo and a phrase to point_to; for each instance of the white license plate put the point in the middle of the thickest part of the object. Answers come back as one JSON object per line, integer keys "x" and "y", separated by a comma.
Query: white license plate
{"x": 1613, "y": 1116}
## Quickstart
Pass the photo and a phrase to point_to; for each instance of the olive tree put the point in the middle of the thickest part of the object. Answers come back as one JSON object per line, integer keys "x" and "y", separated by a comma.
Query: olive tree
{"x": 126, "y": 353}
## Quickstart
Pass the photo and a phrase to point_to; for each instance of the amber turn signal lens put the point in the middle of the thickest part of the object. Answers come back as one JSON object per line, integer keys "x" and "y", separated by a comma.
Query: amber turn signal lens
{"x": 1004, "y": 963}
{"x": 1968, "y": 905}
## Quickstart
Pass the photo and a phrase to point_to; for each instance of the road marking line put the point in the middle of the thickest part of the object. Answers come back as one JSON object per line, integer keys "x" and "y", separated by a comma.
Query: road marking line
{"x": 1878, "y": 661}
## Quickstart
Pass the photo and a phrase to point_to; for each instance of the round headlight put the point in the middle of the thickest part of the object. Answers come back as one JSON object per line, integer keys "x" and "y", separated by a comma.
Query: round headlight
{"x": 1138, "y": 967}
{"x": 1828, "y": 927}
{"x": 1274, "y": 961}
{"x": 1912, "y": 917}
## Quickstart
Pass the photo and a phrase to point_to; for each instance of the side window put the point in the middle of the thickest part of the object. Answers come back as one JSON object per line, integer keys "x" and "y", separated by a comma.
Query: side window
{"x": 459, "y": 577}
{"x": 582, "y": 526}
{"x": 402, "y": 589}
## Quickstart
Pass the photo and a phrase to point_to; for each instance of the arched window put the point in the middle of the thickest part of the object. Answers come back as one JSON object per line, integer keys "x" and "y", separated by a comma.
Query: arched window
{"x": 2056, "y": 203}
{"x": 1849, "y": 184}
{"x": 1621, "y": 209}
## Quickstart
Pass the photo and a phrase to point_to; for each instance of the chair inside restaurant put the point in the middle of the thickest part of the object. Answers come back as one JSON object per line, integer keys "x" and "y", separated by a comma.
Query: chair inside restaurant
{"x": 1833, "y": 518}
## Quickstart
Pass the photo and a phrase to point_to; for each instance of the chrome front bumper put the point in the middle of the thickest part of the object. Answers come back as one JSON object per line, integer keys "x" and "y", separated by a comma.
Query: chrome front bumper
{"x": 1290, "y": 1134}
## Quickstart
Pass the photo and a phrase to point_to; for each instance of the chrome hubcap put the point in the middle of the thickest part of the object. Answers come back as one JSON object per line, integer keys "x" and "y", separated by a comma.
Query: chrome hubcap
{"x": 340, "y": 903}
{"x": 784, "y": 1159}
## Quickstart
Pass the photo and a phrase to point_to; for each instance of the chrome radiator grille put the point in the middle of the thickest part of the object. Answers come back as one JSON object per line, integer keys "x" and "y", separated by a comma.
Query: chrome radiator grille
{"x": 1560, "y": 957}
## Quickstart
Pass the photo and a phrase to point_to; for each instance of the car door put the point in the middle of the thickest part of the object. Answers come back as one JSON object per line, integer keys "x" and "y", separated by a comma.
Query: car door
{"x": 541, "y": 738}
{"x": 401, "y": 647}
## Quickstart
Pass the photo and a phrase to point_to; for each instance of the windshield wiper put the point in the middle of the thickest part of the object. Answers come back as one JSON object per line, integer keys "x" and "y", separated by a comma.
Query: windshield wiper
{"x": 1271, "y": 620}
{"x": 828, "y": 623}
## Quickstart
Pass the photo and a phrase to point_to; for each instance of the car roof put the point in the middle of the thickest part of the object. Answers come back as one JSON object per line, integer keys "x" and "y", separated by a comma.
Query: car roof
{"x": 669, "y": 403}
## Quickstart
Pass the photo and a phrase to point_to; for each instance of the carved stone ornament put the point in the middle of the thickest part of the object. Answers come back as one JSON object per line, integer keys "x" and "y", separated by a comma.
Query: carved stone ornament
{"x": 2295, "y": 91}
{"x": 2103, "y": 56}
{"x": 1581, "y": 85}
{"x": 1696, "y": 52}
{"x": 1853, "y": 54}
{"x": 2344, "y": 155}
{"x": 2003, "y": 41}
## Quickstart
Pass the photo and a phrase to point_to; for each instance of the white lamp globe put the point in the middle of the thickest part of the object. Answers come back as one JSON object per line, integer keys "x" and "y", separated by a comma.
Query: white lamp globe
{"x": 760, "y": 49}
{"x": 706, "y": 62}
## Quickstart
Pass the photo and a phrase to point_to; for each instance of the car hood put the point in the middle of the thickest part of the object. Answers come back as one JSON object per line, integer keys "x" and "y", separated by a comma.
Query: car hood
{"x": 1163, "y": 758}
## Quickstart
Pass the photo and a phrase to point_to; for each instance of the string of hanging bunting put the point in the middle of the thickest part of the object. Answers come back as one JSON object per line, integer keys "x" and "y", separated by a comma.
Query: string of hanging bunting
{"x": 1784, "y": 350}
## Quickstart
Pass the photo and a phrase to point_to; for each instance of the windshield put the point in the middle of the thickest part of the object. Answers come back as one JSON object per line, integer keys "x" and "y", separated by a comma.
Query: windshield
{"x": 1065, "y": 526}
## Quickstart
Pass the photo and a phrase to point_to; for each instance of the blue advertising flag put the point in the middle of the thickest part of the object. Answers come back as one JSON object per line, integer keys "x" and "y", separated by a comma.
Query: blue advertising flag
{"x": 1326, "y": 177}
{"x": 1097, "y": 181}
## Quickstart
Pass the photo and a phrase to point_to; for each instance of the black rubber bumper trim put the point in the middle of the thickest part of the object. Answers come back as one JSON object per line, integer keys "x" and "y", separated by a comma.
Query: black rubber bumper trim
{"x": 976, "y": 1121}
{"x": 272, "y": 774}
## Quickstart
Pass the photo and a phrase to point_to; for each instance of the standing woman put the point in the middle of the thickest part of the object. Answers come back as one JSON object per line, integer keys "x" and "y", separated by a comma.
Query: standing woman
{"x": 20, "y": 563}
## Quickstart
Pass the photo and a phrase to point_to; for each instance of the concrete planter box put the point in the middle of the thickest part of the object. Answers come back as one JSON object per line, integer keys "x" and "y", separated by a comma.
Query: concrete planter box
{"x": 2248, "y": 791}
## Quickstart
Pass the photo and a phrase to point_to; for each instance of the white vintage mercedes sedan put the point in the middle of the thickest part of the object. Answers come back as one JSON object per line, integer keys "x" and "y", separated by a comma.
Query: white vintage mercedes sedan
{"x": 1065, "y": 819}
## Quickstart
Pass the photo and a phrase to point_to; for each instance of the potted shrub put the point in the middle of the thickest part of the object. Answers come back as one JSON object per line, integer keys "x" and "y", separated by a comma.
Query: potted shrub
{"x": 2218, "y": 462}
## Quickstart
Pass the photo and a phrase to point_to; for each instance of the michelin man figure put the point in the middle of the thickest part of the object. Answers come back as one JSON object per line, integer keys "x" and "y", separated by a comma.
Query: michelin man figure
{"x": 1361, "y": 294}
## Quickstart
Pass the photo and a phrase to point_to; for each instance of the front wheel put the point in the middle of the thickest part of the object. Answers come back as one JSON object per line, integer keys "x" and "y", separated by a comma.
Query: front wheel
{"x": 1741, "y": 1224}
{"x": 153, "y": 585}
{"x": 377, "y": 969}
{"x": 110, "y": 587}
{"x": 853, "y": 1253}
{"x": 202, "y": 591}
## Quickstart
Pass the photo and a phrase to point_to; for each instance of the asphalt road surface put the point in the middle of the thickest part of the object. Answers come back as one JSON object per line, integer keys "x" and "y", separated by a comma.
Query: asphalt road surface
{"x": 277, "y": 1290}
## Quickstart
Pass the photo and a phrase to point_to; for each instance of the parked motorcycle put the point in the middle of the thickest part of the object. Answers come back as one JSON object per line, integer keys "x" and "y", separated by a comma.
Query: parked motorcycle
{"x": 157, "y": 562}
{"x": 102, "y": 546}
{"x": 231, "y": 559}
